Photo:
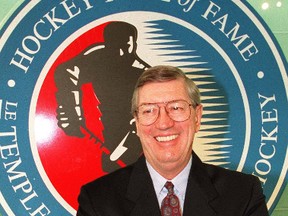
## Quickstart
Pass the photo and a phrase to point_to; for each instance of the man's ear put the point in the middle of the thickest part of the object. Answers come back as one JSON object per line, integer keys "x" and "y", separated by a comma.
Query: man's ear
{"x": 198, "y": 116}
{"x": 134, "y": 120}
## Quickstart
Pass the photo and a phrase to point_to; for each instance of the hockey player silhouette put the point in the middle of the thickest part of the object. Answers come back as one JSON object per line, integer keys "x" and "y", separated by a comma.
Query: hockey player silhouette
{"x": 112, "y": 67}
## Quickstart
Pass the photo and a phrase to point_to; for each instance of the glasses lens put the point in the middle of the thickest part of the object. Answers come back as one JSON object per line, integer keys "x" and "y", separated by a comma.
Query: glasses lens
{"x": 178, "y": 110}
{"x": 148, "y": 113}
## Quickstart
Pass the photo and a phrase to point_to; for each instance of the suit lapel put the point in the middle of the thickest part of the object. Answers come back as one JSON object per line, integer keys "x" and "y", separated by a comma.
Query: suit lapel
{"x": 141, "y": 191}
{"x": 201, "y": 197}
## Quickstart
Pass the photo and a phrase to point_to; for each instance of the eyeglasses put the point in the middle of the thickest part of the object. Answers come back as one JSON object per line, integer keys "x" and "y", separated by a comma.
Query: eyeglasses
{"x": 178, "y": 110}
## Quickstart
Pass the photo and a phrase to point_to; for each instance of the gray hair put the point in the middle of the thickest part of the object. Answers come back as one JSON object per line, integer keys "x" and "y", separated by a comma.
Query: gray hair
{"x": 164, "y": 73}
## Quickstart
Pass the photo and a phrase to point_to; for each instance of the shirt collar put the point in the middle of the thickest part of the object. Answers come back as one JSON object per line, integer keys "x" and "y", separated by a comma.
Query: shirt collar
{"x": 180, "y": 181}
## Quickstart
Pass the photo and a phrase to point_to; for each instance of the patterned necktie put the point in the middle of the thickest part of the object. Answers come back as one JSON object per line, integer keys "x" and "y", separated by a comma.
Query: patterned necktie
{"x": 170, "y": 205}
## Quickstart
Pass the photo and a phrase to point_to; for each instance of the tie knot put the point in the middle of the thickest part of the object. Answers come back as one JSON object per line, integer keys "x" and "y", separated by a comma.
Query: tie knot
{"x": 170, "y": 187}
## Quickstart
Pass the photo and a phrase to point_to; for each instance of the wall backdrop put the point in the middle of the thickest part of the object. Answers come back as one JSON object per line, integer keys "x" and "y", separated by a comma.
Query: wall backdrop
{"x": 65, "y": 91}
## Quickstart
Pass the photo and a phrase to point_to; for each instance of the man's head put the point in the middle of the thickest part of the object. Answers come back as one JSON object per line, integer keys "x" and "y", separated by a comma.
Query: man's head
{"x": 166, "y": 106}
{"x": 164, "y": 73}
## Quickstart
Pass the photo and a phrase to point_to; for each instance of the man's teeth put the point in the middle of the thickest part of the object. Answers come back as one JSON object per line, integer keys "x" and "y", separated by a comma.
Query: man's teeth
{"x": 166, "y": 138}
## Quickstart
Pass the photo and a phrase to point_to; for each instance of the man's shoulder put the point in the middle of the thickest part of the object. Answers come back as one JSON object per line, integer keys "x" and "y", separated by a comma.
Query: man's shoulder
{"x": 224, "y": 173}
{"x": 233, "y": 189}
{"x": 231, "y": 180}
{"x": 117, "y": 179}
{"x": 222, "y": 179}
{"x": 219, "y": 173}
{"x": 106, "y": 194}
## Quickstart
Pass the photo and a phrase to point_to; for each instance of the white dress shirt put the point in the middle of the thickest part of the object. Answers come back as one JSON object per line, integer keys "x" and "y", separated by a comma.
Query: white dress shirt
{"x": 179, "y": 182}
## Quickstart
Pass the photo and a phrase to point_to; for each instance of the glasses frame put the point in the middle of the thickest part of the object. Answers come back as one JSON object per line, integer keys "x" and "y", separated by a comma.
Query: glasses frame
{"x": 165, "y": 106}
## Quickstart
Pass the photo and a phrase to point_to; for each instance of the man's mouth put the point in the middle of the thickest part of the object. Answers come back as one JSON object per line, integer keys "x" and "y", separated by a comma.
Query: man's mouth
{"x": 166, "y": 138}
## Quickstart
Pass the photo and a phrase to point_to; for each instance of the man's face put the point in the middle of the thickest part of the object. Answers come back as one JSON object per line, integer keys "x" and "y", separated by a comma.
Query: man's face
{"x": 167, "y": 144}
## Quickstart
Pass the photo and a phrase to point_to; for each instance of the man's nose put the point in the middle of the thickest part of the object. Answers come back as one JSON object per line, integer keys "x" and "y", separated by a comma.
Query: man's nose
{"x": 164, "y": 121}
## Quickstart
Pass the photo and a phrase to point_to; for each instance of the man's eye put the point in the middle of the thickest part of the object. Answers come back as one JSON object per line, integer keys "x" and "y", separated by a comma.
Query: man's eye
{"x": 176, "y": 107}
{"x": 147, "y": 111}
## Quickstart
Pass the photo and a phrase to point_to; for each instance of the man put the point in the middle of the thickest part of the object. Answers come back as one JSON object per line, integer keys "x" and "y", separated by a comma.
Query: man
{"x": 167, "y": 109}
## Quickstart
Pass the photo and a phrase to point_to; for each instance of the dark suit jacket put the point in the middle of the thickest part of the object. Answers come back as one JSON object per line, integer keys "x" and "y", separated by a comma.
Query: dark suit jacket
{"x": 210, "y": 191}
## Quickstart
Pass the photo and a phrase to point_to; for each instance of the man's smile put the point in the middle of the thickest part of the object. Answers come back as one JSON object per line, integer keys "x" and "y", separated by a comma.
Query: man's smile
{"x": 166, "y": 138}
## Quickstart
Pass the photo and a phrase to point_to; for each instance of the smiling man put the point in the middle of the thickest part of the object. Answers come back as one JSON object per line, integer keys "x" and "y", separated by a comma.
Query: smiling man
{"x": 167, "y": 118}
{"x": 170, "y": 179}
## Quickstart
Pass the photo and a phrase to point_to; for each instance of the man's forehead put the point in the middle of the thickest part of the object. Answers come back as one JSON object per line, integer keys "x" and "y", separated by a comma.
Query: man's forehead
{"x": 160, "y": 92}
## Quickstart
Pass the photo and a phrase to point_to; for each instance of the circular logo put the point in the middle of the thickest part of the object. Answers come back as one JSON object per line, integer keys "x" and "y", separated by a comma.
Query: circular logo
{"x": 68, "y": 69}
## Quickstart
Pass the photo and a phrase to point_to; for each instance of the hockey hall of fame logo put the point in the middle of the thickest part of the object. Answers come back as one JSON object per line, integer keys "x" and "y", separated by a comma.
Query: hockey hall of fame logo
{"x": 68, "y": 69}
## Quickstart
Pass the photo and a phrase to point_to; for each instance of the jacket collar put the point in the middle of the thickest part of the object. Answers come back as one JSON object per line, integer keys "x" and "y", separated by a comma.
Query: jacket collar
{"x": 141, "y": 191}
{"x": 201, "y": 196}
